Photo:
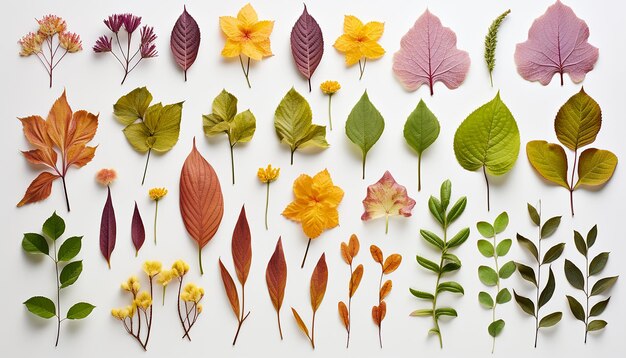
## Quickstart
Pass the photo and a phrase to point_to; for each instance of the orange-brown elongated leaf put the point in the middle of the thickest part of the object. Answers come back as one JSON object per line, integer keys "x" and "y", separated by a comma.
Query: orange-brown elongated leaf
{"x": 353, "y": 245}
{"x": 385, "y": 290}
{"x": 377, "y": 254}
{"x": 201, "y": 200}
{"x": 276, "y": 276}
{"x": 376, "y": 315}
{"x": 300, "y": 323}
{"x": 355, "y": 279}
{"x": 82, "y": 128}
{"x": 79, "y": 155}
{"x": 58, "y": 122}
{"x": 34, "y": 128}
{"x": 382, "y": 310}
{"x": 241, "y": 247}
{"x": 345, "y": 253}
{"x": 392, "y": 263}
{"x": 343, "y": 314}
{"x": 44, "y": 156}
{"x": 108, "y": 229}
{"x": 319, "y": 280}
{"x": 39, "y": 189}
{"x": 230, "y": 288}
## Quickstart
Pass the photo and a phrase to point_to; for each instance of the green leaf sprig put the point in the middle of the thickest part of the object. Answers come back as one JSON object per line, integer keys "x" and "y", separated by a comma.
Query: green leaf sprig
{"x": 580, "y": 281}
{"x": 491, "y": 40}
{"x": 239, "y": 127}
{"x": 491, "y": 276}
{"x": 148, "y": 127}
{"x": 576, "y": 125}
{"x": 420, "y": 132}
{"x": 543, "y": 296}
{"x": 448, "y": 262}
{"x": 488, "y": 139}
{"x": 34, "y": 243}
{"x": 293, "y": 121}
{"x": 364, "y": 126}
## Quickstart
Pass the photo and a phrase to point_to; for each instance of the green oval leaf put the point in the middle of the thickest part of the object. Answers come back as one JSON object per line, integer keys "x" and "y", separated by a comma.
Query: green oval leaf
{"x": 553, "y": 253}
{"x": 578, "y": 121}
{"x": 70, "y": 273}
{"x": 80, "y": 310}
{"x": 503, "y": 296}
{"x": 534, "y": 215}
{"x": 580, "y": 243}
{"x": 591, "y": 236}
{"x": 527, "y": 273}
{"x": 598, "y": 263}
{"x": 132, "y": 106}
{"x": 70, "y": 248}
{"x": 485, "y": 299}
{"x": 550, "y": 226}
{"x": 507, "y": 270}
{"x": 596, "y": 325}
{"x": 528, "y": 245}
{"x": 573, "y": 275}
{"x": 525, "y": 304}
{"x": 501, "y": 222}
{"x": 485, "y": 248}
{"x": 432, "y": 239}
{"x": 548, "y": 291}
{"x": 421, "y": 128}
{"x": 485, "y": 229}
{"x": 550, "y": 320}
{"x": 427, "y": 264}
{"x": 41, "y": 306}
{"x": 577, "y": 309}
{"x": 602, "y": 285}
{"x": 35, "y": 243}
{"x": 503, "y": 247}
{"x": 421, "y": 294}
{"x": 54, "y": 226}
{"x": 364, "y": 126}
{"x": 456, "y": 210}
{"x": 595, "y": 167}
{"x": 495, "y": 328}
{"x": 487, "y": 275}
{"x": 549, "y": 160}
{"x": 598, "y": 308}
{"x": 459, "y": 238}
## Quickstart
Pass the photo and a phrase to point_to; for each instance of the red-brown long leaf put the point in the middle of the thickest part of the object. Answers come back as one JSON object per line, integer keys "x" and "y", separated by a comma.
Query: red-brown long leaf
{"x": 276, "y": 276}
{"x": 307, "y": 44}
{"x": 185, "y": 41}
{"x": 231, "y": 289}
{"x": 137, "y": 230}
{"x": 108, "y": 230}
{"x": 39, "y": 189}
{"x": 241, "y": 247}
{"x": 319, "y": 280}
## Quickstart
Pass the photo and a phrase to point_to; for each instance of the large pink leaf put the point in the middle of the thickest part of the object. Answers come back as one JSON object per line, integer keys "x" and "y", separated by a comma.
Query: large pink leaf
{"x": 557, "y": 43}
{"x": 428, "y": 54}
{"x": 185, "y": 41}
{"x": 307, "y": 45}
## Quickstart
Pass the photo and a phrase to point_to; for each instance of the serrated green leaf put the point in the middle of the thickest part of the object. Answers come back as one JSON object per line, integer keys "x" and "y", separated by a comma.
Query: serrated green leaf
{"x": 70, "y": 273}
{"x": 578, "y": 121}
{"x": 459, "y": 238}
{"x": 421, "y": 294}
{"x": 580, "y": 243}
{"x": 80, "y": 310}
{"x": 450, "y": 286}
{"x": 495, "y": 328}
{"x": 132, "y": 106}
{"x": 421, "y": 129}
{"x": 485, "y": 248}
{"x": 525, "y": 304}
{"x": 595, "y": 167}
{"x": 54, "y": 226}
{"x": 577, "y": 309}
{"x": 598, "y": 263}
{"x": 445, "y": 311}
{"x": 534, "y": 215}
{"x": 35, "y": 243}
{"x": 501, "y": 222}
{"x": 507, "y": 270}
{"x": 427, "y": 264}
{"x": 528, "y": 245}
{"x": 503, "y": 247}
{"x": 527, "y": 273}
{"x": 421, "y": 313}
{"x": 364, "y": 126}
{"x": 549, "y": 160}
{"x": 485, "y": 229}
{"x": 573, "y": 275}
{"x": 598, "y": 308}
{"x": 70, "y": 248}
{"x": 603, "y": 285}
{"x": 548, "y": 290}
{"x": 432, "y": 239}
{"x": 550, "y": 320}
{"x": 553, "y": 253}
{"x": 596, "y": 325}
{"x": 591, "y": 236}
{"x": 487, "y": 275}
{"x": 456, "y": 210}
{"x": 434, "y": 205}
{"x": 485, "y": 299}
{"x": 41, "y": 306}
{"x": 550, "y": 226}
{"x": 503, "y": 296}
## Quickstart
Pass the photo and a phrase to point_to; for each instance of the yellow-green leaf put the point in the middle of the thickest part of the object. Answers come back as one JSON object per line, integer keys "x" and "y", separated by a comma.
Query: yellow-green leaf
{"x": 578, "y": 121}
{"x": 364, "y": 126}
{"x": 137, "y": 135}
{"x": 595, "y": 167}
{"x": 549, "y": 160}
{"x": 132, "y": 106}
{"x": 242, "y": 127}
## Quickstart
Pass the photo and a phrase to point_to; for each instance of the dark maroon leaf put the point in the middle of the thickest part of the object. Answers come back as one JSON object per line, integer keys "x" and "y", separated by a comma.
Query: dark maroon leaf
{"x": 307, "y": 45}
{"x": 137, "y": 230}
{"x": 107, "y": 229}
{"x": 185, "y": 41}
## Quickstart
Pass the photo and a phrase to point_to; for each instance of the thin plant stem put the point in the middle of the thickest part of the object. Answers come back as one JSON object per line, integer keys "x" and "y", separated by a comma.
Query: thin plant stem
{"x": 538, "y": 280}
{"x": 67, "y": 200}
{"x": 232, "y": 159}
{"x": 145, "y": 169}
{"x": 419, "y": 172}
{"x": 363, "y": 165}
{"x": 362, "y": 69}
{"x": 386, "y": 224}
{"x": 571, "y": 185}
{"x": 267, "y": 202}
{"x": 330, "y": 116}
{"x": 56, "y": 267}
{"x": 587, "y": 296}
{"x": 245, "y": 72}
{"x": 200, "y": 259}
{"x": 487, "y": 182}
{"x": 309, "y": 85}
{"x": 292, "y": 151}
{"x": 493, "y": 317}
{"x": 306, "y": 253}
{"x": 380, "y": 324}
{"x": 313, "y": 331}
{"x": 280, "y": 329}
{"x": 434, "y": 309}
{"x": 156, "y": 211}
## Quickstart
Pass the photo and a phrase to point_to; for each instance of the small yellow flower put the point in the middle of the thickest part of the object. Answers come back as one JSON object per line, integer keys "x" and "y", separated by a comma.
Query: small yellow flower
{"x": 31, "y": 44}
{"x": 70, "y": 41}
{"x": 143, "y": 300}
{"x": 106, "y": 176}
{"x": 269, "y": 174}
{"x": 157, "y": 194}
{"x": 166, "y": 276}
{"x": 199, "y": 308}
{"x": 152, "y": 268}
{"x": 245, "y": 34}
{"x": 192, "y": 293}
{"x": 131, "y": 285}
{"x": 116, "y": 313}
{"x": 180, "y": 267}
{"x": 51, "y": 24}
{"x": 330, "y": 87}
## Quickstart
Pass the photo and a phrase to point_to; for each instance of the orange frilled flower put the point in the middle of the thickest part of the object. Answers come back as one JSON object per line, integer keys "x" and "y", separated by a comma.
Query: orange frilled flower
{"x": 315, "y": 204}
{"x": 51, "y": 24}
{"x": 70, "y": 41}
{"x": 246, "y": 35}
{"x": 106, "y": 176}
{"x": 269, "y": 174}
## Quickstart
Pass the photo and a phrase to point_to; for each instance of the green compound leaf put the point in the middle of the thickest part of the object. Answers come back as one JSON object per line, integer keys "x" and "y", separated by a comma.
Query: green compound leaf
{"x": 503, "y": 296}
{"x": 293, "y": 123}
{"x": 80, "y": 310}
{"x": 487, "y": 275}
{"x": 485, "y": 299}
{"x": 364, "y": 126}
{"x": 485, "y": 248}
{"x": 550, "y": 320}
{"x": 35, "y": 244}
{"x": 495, "y": 328}
{"x": 507, "y": 270}
{"x": 70, "y": 248}
{"x": 70, "y": 273}
{"x": 578, "y": 121}
{"x": 54, "y": 227}
{"x": 488, "y": 139}
{"x": 420, "y": 132}
{"x": 41, "y": 306}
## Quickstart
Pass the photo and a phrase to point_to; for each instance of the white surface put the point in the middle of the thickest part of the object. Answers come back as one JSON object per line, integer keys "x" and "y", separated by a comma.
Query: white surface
{"x": 92, "y": 83}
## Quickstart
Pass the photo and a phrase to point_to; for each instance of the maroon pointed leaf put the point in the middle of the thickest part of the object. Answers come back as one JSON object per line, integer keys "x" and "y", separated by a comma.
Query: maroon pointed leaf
{"x": 307, "y": 45}
{"x": 108, "y": 229}
{"x": 137, "y": 230}
{"x": 241, "y": 247}
{"x": 185, "y": 41}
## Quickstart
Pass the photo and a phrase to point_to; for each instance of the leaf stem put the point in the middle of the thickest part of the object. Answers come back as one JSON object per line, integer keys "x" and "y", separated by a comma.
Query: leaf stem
{"x": 56, "y": 267}
{"x": 362, "y": 68}
{"x": 267, "y": 203}
{"x": 380, "y": 323}
{"x": 330, "y": 116}
{"x": 587, "y": 295}
{"x": 145, "y": 169}
{"x": 156, "y": 211}
{"x": 232, "y": 160}
{"x": 200, "y": 259}
{"x": 309, "y": 85}
{"x": 292, "y": 151}
{"x": 306, "y": 253}
{"x": 434, "y": 310}
{"x": 491, "y": 80}
{"x": 386, "y": 224}
{"x": 493, "y": 316}
{"x": 487, "y": 182}
{"x": 364, "y": 157}
{"x": 419, "y": 172}
{"x": 571, "y": 185}
{"x": 313, "y": 331}
{"x": 538, "y": 279}
{"x": 245, "y": 72}
{"x": 67, "y": 199}
{"x": 280, "y": 329}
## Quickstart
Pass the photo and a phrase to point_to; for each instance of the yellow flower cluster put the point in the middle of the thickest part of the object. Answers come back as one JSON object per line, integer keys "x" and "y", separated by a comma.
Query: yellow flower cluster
{"x": 157, "y": 194}
{"x": 131, "y": 285}
{"x": 166, "y": 276}
{"x": 192, "y": 293}
{"x": 269, "y": 174}
{"x": 50, "y": 25}
{"x": 143, "y": 300}
{"x": 31, "y": 44}
{"x": 152, "y": 268}
{"x": 181, "y": 267}
{"x": 123, "y": 313}
{"x": 330, "y": 87}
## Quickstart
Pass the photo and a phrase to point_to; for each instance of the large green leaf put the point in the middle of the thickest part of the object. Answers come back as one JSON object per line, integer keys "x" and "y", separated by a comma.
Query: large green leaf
{"x": 70, "y": 273}
{"x": 420, "y": 132}
{"x": 54, "y": 226}
{"x": 35, "y": 243}
{"x": 41, "y": 306}
{"x": 293, "y": 123}
{"x": 578, "y": 121}
{"x": 70, "y": 248}
{"x": 549, "y": 160}
{"x": 159, "y": 129}
{"x": 132, "y": 106}
{"x": 364, "y": 126}
{"x": 596, "y": 167}
{"x": 573, "y": 275}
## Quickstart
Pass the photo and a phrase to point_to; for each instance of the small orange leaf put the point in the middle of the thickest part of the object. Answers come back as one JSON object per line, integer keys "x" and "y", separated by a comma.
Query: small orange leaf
{"x": 82, "y": 128}
{"x": 34, "y": 128}
{"x": 392, "y": 263}
{"x": 241, "y": 247}
{"x": 230, "y": 288}
{"x": 79, "y": 155}
{"x": 39, "y": 189}
{"x": 276, "y": 276}
{"x": 375, "y": 315}
{"x": 343, "y": 314}
{"x": 319, "y": 280}
{"x": 45, "y": 156}
{"x": 355, "y": 279}
{"x": 385, "y": 290}
{"x": 345, "y": 253}
{"x": 300, "y": 322}
{"x": 382, "y": 310}
{"x": 353, "y": 245}
{"x": 377, "y": 254}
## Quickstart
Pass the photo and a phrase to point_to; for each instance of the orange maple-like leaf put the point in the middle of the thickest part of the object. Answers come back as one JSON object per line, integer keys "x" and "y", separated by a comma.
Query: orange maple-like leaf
{"x": 63, "y": 133}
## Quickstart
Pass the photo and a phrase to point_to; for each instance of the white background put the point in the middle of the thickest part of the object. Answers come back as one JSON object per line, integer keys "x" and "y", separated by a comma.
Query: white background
{"x": 92, "y": 83}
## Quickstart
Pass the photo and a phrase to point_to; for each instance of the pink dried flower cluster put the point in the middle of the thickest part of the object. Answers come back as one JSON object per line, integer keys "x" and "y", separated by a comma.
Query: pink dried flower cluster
{"x": 106, "y": 176}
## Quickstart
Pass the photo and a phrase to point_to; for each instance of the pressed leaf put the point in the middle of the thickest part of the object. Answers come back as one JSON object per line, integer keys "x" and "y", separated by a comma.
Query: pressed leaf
{"x": 491, "y": 40}
{"x": 132, "y": 106}
{"x": 596, "y": 325}
{"x": 534, "y": 215}
{"x": 70, "y": 248}
{"x": 385, "y": 290}
{"x": 550, "y": 226}
{"x": 557, "y": 43}
{"x": 598, "y": 308}
{"x": 386, "y": 198}
{"x": 53, "y": 227}
{"x": 459, "y": 238}
{"x": 527, "y": 273}
{"x": 185, "y": 41}
{"x": 35, "y": 243}
{"x": 421, "y": 313}
{"x": 577, "y": 309}
{"x": 422, "y": 295}
{"x": 553, "y": 253}
{"x": 598, "y": 263}
{"x": 495, "y": 328}
{"x": 487, "y": 275}
{"x": 276, "y": 276}
{"x": 507, "y": 270}
{"x": 591, "y": 236}
{"x": 432, "y": 239}
{"x": 377, "y": 254}
{"x": 549, "y": 160}
{"x": 307, "y": 45}
{"x": 501, "y": 222}
{"x": 596, "y": 167}
{"x": 450, "y": 286}
{"x": 427, "y": 264}
{"x": 241, "y": 247}
{"x": 70, "y": 273}
{"x": 41, "y": 306}
{"x": 201, "y": 200}
{"x": 578, "y": 121}
{"x": 80, "y": 310}
{"x": 550, "y": 320}
{"x": 548, "y": 291}
{"x": 364, "y": 126}
{"x": 485, "y": 229}
{"x": 503, "y": 247}
{"x": 108, "y": 229}
{"x": 525, "y": 303}
{"x": 345, "y": 253}
{"x": 353, "y": 245}
{"x": 421, "y": 129}
{"x": 355, "y": 280}
{"x": 428, "y": 54}
{"x": 137, "y": 230}
{"x": 343, "y": 314}
{"x": 574, "y": 276}
{"x": 230, "y": 288}
{"x": 603, "y": 285}
{"x": 446, "y": 311}
{"x": 485, "y": 299}
{"x": 319, "y": 280}
{"x": 300, "y": 322}
{"x": 580, "y": 243}
{"x": 528, "y": 245}
{"x": 503, "y": 296}
{"x": 392, "y": 262}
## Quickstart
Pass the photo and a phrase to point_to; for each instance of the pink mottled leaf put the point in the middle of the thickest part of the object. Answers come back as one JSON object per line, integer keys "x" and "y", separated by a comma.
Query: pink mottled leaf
{"x": 185, "y": 41}
{"x": 557, "y": 43}
{"x": 307, "y": 45}
{"x": 108, "y": 229}
{"x": 428, "y": 54}
{"x": 137, "y": 230}
{"x": 386, "y": 198}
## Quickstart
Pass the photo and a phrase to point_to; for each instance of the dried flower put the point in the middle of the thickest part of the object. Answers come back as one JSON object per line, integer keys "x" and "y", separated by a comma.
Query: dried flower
{"x": 131, "y": 285}
{"x": 360, "y": 41}
{"x": 103, "y": 44}
{"x": 152, "y": 268}
{"x": 190, "y": 298}
{"x": 143, "y": 300}
{"x": 31, "y": 44}
{"x": 157, "y": 193}
{"x": 106, "y": 176}
{"x": 114, "y": 22}
{"x": 192, "y": 293}
{"x": 50, "y": 25}
{"x": 131, "y": 22}
{"x": 180, "y": 267}
{"x": 269, "y": 174}
{"x": 330, "y": 87}
{"x": 70, "y": 41}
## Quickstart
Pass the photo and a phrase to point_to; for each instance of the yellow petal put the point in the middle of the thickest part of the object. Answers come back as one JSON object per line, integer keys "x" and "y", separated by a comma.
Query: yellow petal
{"x": 332, "y": 196}
{"x": 353, "y": 56}
{"x": 345, "y": 43}
{"x": 371, "y": 50}
{"x": 264, "y": 47}
{"x": 313, "y": 220}
{"x": 251, "y": 50}
{"x": 322, "y": 180}
{"x": 294, "y": 209}
{"x": 331, "y": 218}
{"x": 247, "y": 16}
{"x": 230, "y": 28}
{"x": 373, "y": 30}
{"x": 352, "y": 25}
{"x": 302, "y": 186}
{"x": 261, "y": 30}
{"x": 231, "y": 49}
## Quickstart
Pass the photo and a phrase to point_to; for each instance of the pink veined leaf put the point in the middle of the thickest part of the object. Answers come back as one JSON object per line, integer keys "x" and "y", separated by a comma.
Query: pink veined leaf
{"x": 108, "y": 229}
{"x": 185, "y": 41}
{"x": 428, "y": 54}
{"x": 557, "y": 43}
{"x": 307, "y": 45}
{"x": 386, "y": 198}
{"x": 137, "y": 230}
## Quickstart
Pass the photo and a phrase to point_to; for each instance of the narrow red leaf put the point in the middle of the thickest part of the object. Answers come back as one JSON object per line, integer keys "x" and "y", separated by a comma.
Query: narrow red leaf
{"x": 231, "y": 289}
{"x": 137, "y": 230}
{"x": 319, "y": 280}
{"x": 185, "y": 41}
{"x": 241, "y": 247}
{"x": 307, "y": 45}
{"x": 108, "y": 229}
{"x": 276, "y": 276}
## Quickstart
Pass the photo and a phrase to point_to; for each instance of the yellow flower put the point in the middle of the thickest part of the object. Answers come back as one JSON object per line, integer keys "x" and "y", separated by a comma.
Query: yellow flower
{"x": 330, "y": 87}
{"x": 269, "y": 174}
{"x": 180, "y": 267}
{"x": 123, "y": 313}
{"x": 131, "y": 285}
{"x": 246, "y": 35}
{"x": 315, "y": 205}
{"x": 192, "y": 293}
{"x": 152, "y": 268}
{"x": 166, "y": 276}
{"x": 360, "y": 41}
{"x": 51, "y": 24}
{"x": 143, "y": 300}
{"x": 157, "y": 194}
{"x": 70, "y": 41}
{"x": 31, "y": 44}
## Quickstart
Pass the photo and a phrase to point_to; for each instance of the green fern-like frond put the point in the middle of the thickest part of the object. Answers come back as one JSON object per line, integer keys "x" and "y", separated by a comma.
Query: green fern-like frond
{"x": 491, "y": 40}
